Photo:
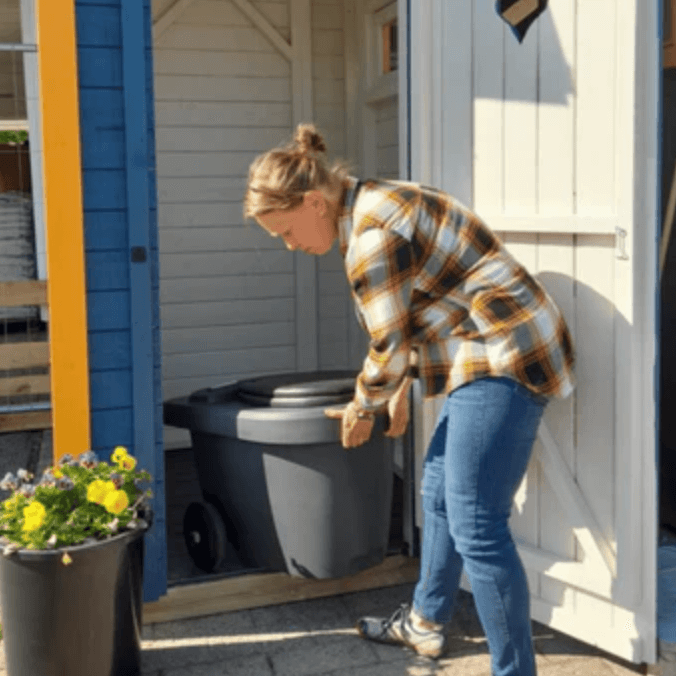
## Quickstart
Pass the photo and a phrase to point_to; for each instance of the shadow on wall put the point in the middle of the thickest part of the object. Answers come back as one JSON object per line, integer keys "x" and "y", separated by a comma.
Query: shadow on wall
{"x": 593, "y": 467}
{"x": 535, "y": 70}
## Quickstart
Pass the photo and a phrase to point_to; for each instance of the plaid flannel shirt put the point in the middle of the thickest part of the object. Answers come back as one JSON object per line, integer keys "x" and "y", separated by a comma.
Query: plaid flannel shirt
{"x": 441, "y": 298}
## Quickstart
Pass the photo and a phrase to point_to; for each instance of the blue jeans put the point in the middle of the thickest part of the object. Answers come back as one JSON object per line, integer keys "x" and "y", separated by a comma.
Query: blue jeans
{"x": 476, "y": 460}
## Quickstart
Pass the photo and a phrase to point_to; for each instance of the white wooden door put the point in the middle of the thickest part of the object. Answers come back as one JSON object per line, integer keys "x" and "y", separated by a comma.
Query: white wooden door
{"x": 553, "y": 142}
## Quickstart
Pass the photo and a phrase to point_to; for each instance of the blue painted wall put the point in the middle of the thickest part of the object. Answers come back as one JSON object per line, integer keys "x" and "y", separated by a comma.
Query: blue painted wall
{"x": 120, "y": 211}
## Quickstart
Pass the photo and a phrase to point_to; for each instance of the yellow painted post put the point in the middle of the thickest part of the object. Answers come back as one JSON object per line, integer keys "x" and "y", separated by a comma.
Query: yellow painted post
{"x": 62, "y": 171}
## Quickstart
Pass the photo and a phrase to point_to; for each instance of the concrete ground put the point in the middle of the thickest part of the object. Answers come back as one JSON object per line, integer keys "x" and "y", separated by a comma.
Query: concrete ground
{"x": 317, "y": 638}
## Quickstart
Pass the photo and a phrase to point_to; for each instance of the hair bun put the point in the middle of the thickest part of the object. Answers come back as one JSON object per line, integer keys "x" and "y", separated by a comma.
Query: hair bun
{"x": 308, "y": 139}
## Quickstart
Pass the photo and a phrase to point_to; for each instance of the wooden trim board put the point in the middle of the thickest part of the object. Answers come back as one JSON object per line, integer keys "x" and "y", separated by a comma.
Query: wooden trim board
{"x": 162, "y": 22}
{"x": 24, "y": 355}
{"x": 265, "y": 27}
{"x": 20, "y": 386}
{"x": 63, "y": 210}
{"x": 18, "y": 294}
{"x": 573, "y": 224}
{"x": 267, "y": 589}
{"x": 21, "y": 422}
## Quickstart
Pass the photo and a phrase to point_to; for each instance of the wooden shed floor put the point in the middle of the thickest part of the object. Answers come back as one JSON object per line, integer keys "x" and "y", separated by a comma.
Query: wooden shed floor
{"x": 182, "y": 488}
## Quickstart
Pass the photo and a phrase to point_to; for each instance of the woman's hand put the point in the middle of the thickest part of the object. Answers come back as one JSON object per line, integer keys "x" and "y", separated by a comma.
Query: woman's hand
{"x": 354, "y": 430}
{"x": 397, "y": 409}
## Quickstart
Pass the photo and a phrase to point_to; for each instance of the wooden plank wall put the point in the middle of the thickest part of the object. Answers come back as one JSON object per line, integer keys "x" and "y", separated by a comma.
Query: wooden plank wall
{"x": 109, "y": 289}
{"x": 328, "y": 54}
{"x": 12, "y": 90}
{"x": 25, "y": 362}
{"x": 387, "y": 132}
{"x": 560, "y": 166}
{"x": 106, "y": 238}
{"x": 228, "y": 294}
{"x": 223, "y": 95}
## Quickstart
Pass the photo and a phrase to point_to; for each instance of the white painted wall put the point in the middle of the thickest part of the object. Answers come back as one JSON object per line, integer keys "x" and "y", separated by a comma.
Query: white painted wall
{"x": 387, "y": 139}
{"x": 223, "y": 95}
{"x": 328, "y": 71}
{"x": 231, "y": 297}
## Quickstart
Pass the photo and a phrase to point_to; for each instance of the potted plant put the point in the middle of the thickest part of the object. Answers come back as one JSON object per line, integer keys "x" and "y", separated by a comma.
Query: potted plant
{"x": 72, "y": 570}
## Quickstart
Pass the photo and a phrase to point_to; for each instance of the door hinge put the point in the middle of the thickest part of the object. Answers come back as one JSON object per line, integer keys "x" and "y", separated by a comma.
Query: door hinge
{"x": 620, "y": 244}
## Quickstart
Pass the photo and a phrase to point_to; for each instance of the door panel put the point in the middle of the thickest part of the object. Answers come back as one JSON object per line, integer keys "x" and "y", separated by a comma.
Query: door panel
{"x": 553, "y": 142}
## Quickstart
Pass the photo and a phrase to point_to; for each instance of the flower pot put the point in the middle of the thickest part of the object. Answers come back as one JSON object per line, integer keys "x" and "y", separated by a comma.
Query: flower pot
{"x": 79, "y": 619}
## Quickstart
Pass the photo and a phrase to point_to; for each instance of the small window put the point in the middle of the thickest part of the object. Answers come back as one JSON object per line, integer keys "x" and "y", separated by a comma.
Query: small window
{"x": 384, "y": 48}
{"x": 389, "y": 40}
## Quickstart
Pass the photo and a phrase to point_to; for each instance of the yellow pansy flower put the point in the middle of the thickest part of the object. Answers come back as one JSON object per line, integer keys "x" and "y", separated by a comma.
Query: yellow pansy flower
{"x": 34, "y": 515}
{"x": 11, "y": 503}
{"x": 116, "y": 502}
{"x": 119, "y": 454}
{"x": 57, "y": 473}
{"x": 98, "y": 490}
{"x": 128, "y": 462}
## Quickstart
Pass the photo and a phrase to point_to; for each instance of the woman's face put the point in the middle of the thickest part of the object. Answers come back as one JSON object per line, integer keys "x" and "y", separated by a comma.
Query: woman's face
{"x": 310, "y": 227}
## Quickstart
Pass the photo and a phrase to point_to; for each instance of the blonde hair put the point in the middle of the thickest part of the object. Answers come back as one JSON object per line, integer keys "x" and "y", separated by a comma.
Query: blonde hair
{"x": 279, "y": 178}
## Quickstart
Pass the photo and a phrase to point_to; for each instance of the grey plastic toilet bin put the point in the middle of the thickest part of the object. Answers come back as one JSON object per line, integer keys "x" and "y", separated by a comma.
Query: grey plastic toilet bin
{"x": 271, "y": 466}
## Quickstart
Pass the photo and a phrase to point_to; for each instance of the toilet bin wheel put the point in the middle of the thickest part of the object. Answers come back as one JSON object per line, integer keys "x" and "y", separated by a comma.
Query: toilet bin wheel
{"x": 205, "y": 536}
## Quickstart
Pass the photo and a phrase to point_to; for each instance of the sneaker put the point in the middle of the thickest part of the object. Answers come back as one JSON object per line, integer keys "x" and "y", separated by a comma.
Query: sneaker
{"x": 426, "y": 638}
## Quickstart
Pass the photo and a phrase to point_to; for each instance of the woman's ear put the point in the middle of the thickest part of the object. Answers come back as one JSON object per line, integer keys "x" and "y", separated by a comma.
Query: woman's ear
{"x": 316, "y": 200}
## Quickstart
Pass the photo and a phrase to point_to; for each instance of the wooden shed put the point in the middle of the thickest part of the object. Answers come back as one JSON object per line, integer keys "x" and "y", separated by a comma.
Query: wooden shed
{"x": 157, "y": 287}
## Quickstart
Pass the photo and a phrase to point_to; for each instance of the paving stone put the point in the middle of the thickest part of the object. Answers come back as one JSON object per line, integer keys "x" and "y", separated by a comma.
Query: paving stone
{"x": 232, "y": 633}
{"x": 316, "y": 614}
{"x": 465, "y": 622}
{"x": 327, "y": 656}
{"x": 183, "y": 653}
{"x": 380, "y": 669}
{"x": 551, "y": 642}
{"x": 300, "y": 624}
{"x": 390, "y": 653}
{"x": 251, "y": 666}
{"x": 377, "y": 601}
{"x": 577, "y": 665}
{"x": 400, "y": 668}
{"x": 457, "y": 646}
{"x": 383, "y": 602}
{"x": 621, "y": 668}
{"x": 223, "y": 624}
{"x": 467, "y": 665}
{"x": 155, "y": 657}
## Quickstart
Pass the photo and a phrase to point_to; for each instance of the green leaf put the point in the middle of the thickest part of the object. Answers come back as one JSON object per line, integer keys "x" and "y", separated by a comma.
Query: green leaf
{"x": 11, "y": 136}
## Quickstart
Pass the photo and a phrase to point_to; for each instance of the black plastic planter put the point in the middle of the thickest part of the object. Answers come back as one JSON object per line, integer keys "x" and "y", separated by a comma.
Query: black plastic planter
{"x": 76, "y": 620}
